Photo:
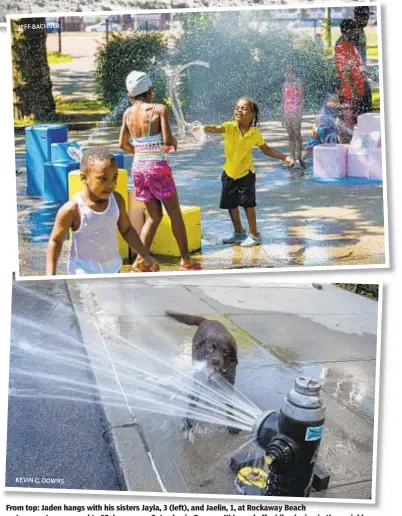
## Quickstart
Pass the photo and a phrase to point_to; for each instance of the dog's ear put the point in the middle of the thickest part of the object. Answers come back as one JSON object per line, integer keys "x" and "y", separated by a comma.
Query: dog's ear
{"x": 233, "y": 354}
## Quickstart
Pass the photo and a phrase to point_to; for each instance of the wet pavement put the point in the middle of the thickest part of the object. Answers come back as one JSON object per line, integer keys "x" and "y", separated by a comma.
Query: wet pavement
{"x": 282, "y": 331}
{"x": 52, "y": 442}
{"x": 303, "y": 223}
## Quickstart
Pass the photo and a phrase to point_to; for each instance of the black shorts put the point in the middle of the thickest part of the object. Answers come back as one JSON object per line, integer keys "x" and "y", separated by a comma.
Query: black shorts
{"x": 364, "y": 104}
{"x": 238, "y": 192}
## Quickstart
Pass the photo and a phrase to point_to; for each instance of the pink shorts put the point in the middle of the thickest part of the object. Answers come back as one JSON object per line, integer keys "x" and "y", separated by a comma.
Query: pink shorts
{"x": 153, "y": 182}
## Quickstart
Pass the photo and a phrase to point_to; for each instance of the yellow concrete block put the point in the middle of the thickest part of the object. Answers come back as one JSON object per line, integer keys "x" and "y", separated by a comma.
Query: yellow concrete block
{"x": 165, "y": 243}
{"x": 136, "y": 211}
{"x": 75, "y": 185}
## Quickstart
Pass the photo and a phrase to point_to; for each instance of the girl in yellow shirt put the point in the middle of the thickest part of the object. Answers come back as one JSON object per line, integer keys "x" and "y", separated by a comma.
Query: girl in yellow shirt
{"x": 238, "y": 177}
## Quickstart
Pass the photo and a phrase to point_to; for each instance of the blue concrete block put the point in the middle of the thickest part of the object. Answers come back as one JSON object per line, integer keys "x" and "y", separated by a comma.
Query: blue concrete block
{"x": 38, "y": 140}
{"x": 56, "y": 180}
{"x": 59, "y": 151}
{"x": 119, "y": 157}
{"x": 128, "y": 161}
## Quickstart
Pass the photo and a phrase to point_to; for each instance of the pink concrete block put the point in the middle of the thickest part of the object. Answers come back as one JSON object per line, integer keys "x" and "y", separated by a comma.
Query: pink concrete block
{"x": 358, "y": 164}
{"x": 369, "y": 122}
{"x": 330, "y": 161}
{"x": 365, "y": 142}
{"x": 375, "y": 164}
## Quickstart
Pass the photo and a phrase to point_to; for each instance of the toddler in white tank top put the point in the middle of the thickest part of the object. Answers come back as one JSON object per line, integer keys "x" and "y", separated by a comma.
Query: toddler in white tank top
{"x": 94, "y": 216}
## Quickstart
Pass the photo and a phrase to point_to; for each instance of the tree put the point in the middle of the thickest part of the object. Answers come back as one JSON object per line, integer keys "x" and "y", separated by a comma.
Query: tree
{"x": 327, "y": 27}
{"x": 31, "y": 74}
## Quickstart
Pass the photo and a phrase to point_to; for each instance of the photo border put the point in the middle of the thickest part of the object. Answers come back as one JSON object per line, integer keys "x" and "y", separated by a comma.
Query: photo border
{"x": 268, "y": 500}
{"x": 251, "y": 270}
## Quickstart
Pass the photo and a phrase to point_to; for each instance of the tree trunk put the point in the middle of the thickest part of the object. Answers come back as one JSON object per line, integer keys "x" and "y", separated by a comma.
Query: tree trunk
{"x": 328, "y": 37}
{"x": 31, "y": 75}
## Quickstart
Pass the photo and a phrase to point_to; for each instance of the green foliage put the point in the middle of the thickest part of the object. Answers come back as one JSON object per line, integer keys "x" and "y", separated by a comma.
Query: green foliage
{"x": 327, "y": 29}
{"x": 122, "y": 54}
{"x": 194, "y": 21}
{"x": 246, "y": 62}
{"x": 367, "y": 290}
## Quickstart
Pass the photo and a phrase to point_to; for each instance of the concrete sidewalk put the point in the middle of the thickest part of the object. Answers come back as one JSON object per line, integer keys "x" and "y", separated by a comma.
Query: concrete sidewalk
{"x": 282, "y": 330}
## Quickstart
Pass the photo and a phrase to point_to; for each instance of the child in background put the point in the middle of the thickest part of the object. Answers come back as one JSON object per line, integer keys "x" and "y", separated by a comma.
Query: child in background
{"x": 238, "y": 177}
{"x": 350, "y": 69}
{"x": 325, "y": 128}
{"x": 292, "y": 108}
{"x": 147, "y": 124}
{"x": 94, "y": 215}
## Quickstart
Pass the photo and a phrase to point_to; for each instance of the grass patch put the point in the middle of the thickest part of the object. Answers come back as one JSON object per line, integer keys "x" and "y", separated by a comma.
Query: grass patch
{"x": 72, "y": 111}
{"x": 376, "y": 100}
{"x": 56, "y": 58}
{"x": 372, "y": 52}
{"x": 27, "y": 120}
{"x": 82, "y": 107}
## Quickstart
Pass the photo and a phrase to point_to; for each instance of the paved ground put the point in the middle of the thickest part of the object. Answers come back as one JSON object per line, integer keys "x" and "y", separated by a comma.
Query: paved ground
{"x": 303, "y": 223}
{"x": 282, "y": 330}
{"x": 52, "y": 442}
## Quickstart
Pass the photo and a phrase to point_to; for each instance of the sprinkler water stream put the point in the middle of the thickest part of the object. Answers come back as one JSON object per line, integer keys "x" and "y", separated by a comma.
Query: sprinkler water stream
{"x": 146, "y": 381}
{"x": 282, "y": 448}
{"x": 182, "y": 125}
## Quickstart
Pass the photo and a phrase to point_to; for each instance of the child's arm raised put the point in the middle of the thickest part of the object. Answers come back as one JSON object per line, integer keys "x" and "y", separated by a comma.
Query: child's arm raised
{"x": 168, "y": 138}
{"x": 124, "y": 138}
{"x": 272, "y": 153}
{"x": 131, "y": 236}
{"x": 210, "y": 128}
{"x": 64, "y": 221}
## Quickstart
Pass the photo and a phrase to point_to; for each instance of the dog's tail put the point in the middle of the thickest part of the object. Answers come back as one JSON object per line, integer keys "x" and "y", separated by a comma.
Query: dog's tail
{"x": 191, "y": 320}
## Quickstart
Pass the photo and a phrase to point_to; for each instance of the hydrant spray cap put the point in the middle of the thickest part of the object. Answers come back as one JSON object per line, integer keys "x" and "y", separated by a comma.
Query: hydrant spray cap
{"x": 304, "y": 402}
{"x": 307, "y": 386}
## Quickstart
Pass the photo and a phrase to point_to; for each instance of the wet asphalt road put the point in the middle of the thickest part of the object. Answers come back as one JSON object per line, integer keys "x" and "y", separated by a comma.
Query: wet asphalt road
{"x": 53, "y": 443}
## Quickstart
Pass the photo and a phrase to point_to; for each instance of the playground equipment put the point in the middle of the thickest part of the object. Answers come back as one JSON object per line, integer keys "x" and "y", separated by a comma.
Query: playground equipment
{"x": 361, "y": 159}
{"x": 53, "y": 173}
{"x": 39, "y": 139}
{"x": 330, "y": 161}
{"x": 49, "y": 161}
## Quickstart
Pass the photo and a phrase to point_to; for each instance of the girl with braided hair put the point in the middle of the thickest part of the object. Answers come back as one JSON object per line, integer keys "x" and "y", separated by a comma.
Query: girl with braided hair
{"x": 238, "y": 177}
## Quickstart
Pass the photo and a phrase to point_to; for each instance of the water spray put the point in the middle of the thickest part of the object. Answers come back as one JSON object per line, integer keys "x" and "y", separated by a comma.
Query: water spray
{"x": 290, "y": 441}
{"x": 182, "y": 125}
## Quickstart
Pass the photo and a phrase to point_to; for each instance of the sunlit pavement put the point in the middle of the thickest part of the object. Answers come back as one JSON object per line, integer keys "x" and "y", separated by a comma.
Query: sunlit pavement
{"x": 282, "y": 331}
{"x": 302, "y": 223}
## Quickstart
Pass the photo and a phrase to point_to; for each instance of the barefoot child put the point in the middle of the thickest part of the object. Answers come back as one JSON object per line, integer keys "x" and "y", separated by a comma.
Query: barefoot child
{"x": 147, "y": 124}
{"x": 238, "y": 178}
{"x": 94, "y": 215}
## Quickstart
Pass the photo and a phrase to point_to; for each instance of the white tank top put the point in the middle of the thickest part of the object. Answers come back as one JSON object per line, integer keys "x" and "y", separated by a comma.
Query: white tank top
{"x": 94, "y": 249}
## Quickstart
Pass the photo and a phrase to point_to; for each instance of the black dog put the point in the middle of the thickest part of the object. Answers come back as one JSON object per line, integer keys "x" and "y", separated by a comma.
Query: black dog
{"x": 213, "y": 344}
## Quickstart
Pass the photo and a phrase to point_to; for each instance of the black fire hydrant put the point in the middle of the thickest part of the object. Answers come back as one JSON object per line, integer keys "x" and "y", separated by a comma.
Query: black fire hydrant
{"x": 290, "y": 440}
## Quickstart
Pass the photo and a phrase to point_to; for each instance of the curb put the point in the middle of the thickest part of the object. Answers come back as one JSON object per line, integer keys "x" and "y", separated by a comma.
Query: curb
{"x": 126, "y": 442}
